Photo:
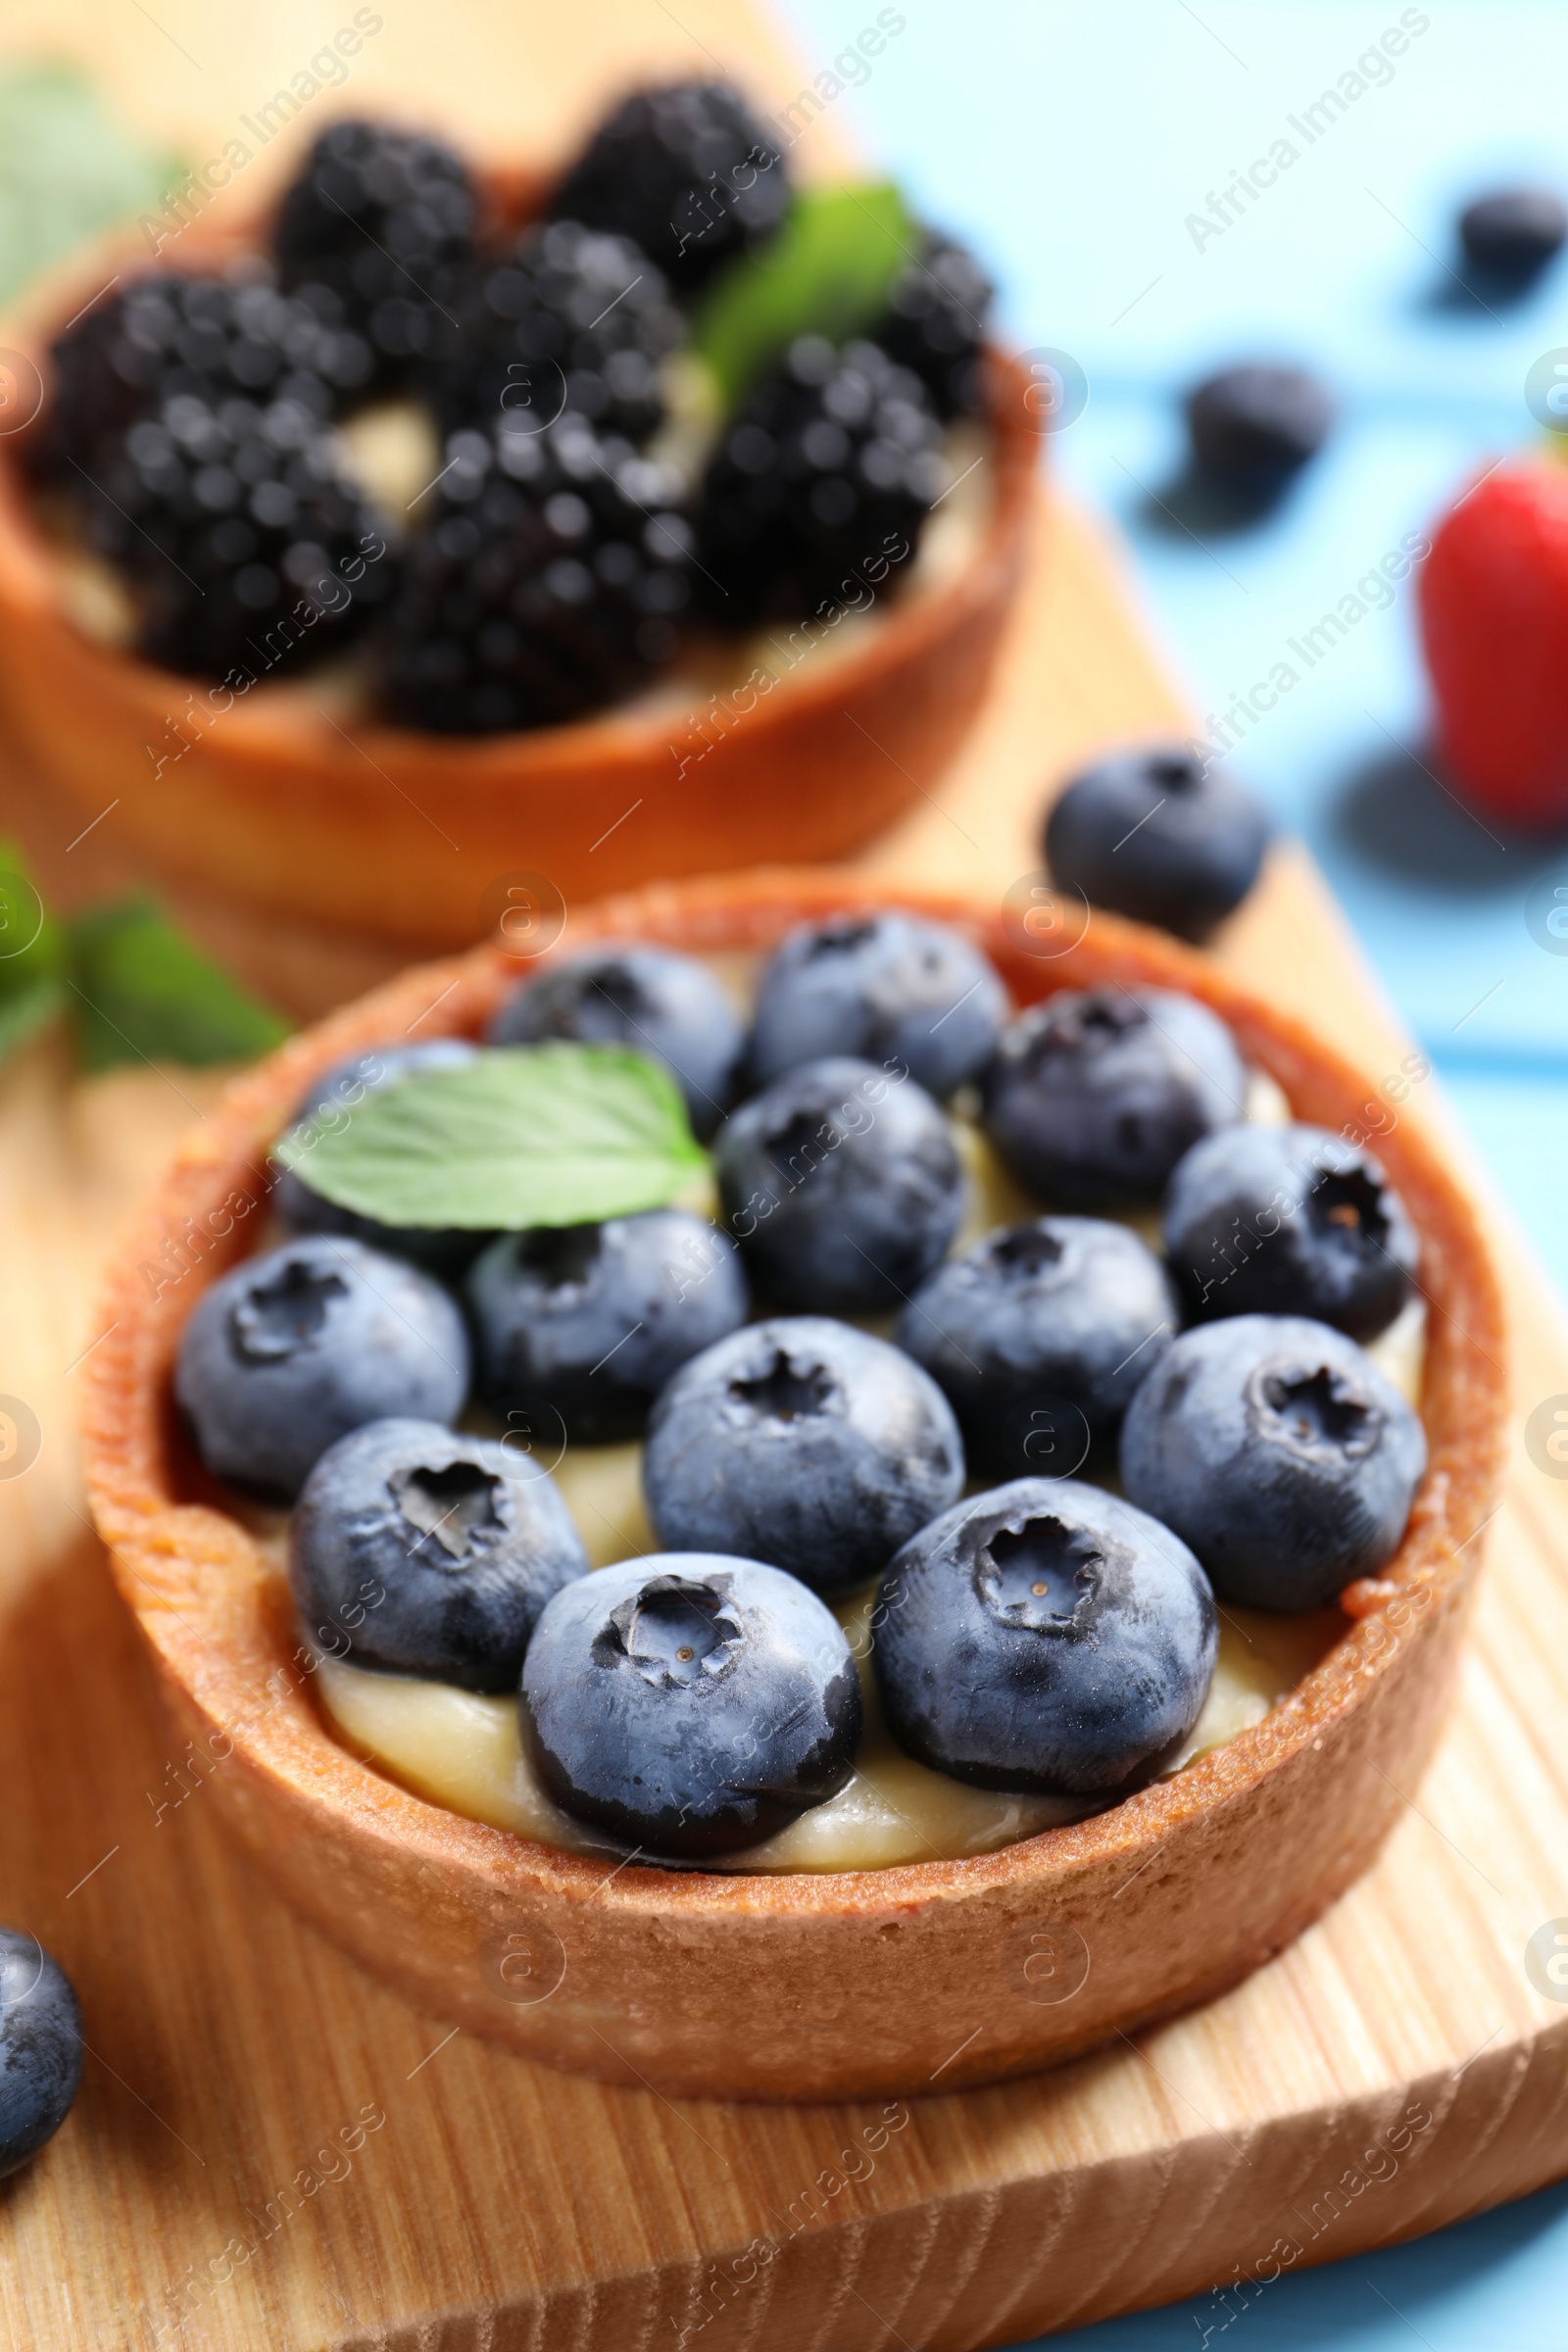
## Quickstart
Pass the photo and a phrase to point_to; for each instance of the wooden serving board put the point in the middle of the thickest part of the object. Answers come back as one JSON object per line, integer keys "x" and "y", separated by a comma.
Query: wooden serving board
{"x": 270, "y": 2150}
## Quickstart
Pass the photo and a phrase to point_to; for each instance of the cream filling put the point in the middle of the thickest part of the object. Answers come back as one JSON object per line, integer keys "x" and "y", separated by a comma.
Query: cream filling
{"x": 464, "y": 1750}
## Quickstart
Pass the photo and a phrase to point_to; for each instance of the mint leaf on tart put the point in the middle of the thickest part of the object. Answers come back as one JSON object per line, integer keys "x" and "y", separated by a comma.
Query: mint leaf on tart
{"x": 554, "y": 1133}
{"x": 827, "y": 271}
{"x": 143, "y": 992}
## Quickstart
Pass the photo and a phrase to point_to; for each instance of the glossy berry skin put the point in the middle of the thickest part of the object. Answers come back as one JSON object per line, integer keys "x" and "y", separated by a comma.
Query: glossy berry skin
{"x": 442, "y": 1251}
{"x": 1494, "y": 600}
{"x": 423, "y": 1551}
{"x": 689, "y": 1703}
{"x": 1155, "y": 835}
{"x": 1280, "y": 1454}
{"x": 293, "y": 1349}
{"x": 1093, "y": 1097}
{"x": 935, "y": 324}
{"x": 889, "y": 988}
{"x": 841, "y": 1185}
{"x": 1253, "y": 427}
{"x": 1039, "y": 1337}
{"x": 665, "y": 1006}
{"x": 1510, "y": 235}
{"x": 1289, "y": 1221}
{"x": 805, "y": 1440}
{"x": 40, "y": 2047}
{"x": 1045, "y": 1637}
{"x": 687, "y": 171}
{"x": 588, "y": 1322}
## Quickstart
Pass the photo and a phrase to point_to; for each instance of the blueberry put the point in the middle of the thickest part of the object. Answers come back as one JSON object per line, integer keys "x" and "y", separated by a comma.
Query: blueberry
{"x": 589, "y": 1321}
{"x": 804, "y": 1440}
{"x": 689, "y": 1703}
{"x": 446, "y": 1254}
{"x": 1155, "y": 835}
{"x": 890, "y": 988}
{"x": 40, "y": 2047}
{"x": 1280, "y": 1454}
{"x": 669, "y": 1006}
{"x": 432, "y": 1552}
{"x": 1045, "y": 1637}
{"x": 1290, "y": 1221}
{"x": 1093, "y": 1099}
{"x": 1511, "y": 235}
{"x": 1253, "y": 427}
{"x": 1039, "y": 1336}
{"x": 290, "y": 1351}
{"x": 841, "y": 1185}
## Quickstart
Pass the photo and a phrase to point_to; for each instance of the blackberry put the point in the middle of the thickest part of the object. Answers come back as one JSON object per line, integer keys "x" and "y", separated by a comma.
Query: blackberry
{"x": 569, "y": 317}
{"x": 937, "y": 309}
{"x": 829, "y": 468}
{"x": 550, "y": 582}
{"x": 688, "y": 172}
{"x": 386, "y": 220}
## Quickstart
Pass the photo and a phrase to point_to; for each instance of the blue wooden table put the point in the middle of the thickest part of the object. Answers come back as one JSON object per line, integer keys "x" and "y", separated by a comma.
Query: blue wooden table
{"x": 1080, "y": 146}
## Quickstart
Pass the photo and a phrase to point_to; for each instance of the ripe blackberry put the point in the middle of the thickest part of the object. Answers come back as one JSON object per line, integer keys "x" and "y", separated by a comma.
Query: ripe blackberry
{"x": 386, "y": 220}
{"x": 688, "y": 172}
{"x": 569, "y": 317}
{"x": 551, "y": 582}
{"x": 937, "y": 309}
{"x": 242, "y": 544}
{"x": 823, "y": 479}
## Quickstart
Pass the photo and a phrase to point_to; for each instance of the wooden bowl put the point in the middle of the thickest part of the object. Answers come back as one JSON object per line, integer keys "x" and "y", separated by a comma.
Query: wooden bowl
{"x": 798, "y": 1986}
{"x": 389, "y": 834}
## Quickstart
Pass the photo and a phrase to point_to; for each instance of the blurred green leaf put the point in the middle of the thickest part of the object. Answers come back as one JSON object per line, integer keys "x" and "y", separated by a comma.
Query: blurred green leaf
{"x": 144, "y": 992}
{"x": 67, "y": 168}
{"x": 32, "y": 987}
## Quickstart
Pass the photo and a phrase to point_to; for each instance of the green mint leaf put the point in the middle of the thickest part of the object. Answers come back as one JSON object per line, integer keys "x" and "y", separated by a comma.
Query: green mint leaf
{"x": 67, "y": 168}
{"x": 826, "y": 272}
{"x": 556, "y": 1134}
{"x": 143, "y": 992}
{"x": 31, "y": 955}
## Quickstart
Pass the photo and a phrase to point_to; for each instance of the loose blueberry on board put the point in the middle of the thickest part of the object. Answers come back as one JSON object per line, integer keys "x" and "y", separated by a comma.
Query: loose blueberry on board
{"x": 40, "y": 2047}
{"x": 1046, "y": 1638}
{"x": 665, "y": 1006}
{"x": 804, "y": 1440}
{"x": 293, "y": 1349}
{"x": 1280, "y": 1454}
{"x": 689, "y": 1703}
{"x": 422, "y": 1551}
{"x": 1290, "y": 1221}
{"x": 1253, "y": 427}
{"x": 1510, "y": 235}
{"x": 1093, "y": 1097}
{"x": 1039, "y": 1336}
{"x": 440, "y": 1250}
{"x": 841, "y": 1185}
{"x": 589, "y": 1321}
{"x": 1155, "y": 835}
{"x": 888, "y": 987}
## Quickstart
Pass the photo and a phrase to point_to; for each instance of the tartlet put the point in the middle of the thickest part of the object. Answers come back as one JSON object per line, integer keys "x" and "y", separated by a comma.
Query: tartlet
{"x": 794, "y": 1987}
{"x": 393, "y": 835}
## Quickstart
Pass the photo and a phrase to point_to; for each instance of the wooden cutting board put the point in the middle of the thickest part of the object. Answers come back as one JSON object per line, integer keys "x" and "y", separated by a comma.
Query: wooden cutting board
{"x": 272, "y": 2151}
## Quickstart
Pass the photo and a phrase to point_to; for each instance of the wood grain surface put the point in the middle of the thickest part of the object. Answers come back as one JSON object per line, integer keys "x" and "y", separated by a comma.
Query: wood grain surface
{"x": 272, "y": 2151}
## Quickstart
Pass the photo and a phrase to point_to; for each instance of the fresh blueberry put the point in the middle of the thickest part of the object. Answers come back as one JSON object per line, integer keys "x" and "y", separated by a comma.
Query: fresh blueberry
{"x": 40, "y": 2047}
{"x": 1253, "y": 427}
{"x": 1156, "y": 835}
{"x": 432, "y": 1554}
{"x": 804, "y": 1440}
{"x": 841, "y": 1185}
{"x": 689, "y": 1703}
{"x": 1093, "y": 1099}
{"x": 890, "y": 988}
{"x": 446, "y": 1254}
{"x": 1280, "y": 1454}
{"x": 1039, "y": 1336}
{"x": 290, "y": 1351}
{"x": 669, "y": 1006}
{"x": 589, "y": 1321}
{"x": 1045, "y": 1637}
{"x": 1510, "y": 235}
{"x": 1290, "y": 1221}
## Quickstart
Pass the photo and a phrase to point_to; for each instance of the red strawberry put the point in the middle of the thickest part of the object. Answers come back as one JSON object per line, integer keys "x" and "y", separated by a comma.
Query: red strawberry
{"x": 1494, "y": 600}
